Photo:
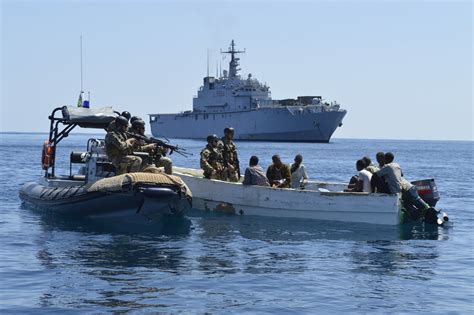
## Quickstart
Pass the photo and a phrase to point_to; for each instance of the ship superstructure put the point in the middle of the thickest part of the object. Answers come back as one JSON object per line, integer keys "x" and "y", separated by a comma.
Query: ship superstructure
{"x": 246, "y": 105}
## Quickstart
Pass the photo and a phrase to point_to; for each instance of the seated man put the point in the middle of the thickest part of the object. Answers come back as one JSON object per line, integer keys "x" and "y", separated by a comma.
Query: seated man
{"x": 279, "y": 174}
{"x": 377, "y": 183}
{"x": 299, "y": 176}
{"x": 380, "y": 156}
{"x": 254, "y": 174}
{"x": 362, "y": 183}
{"x": 119, "y": 149}
{"x": 212, "y": 161}
{"x": 393, "y": 176}
{"x": 369, "y": 165}
{"x": 156, "y": 152}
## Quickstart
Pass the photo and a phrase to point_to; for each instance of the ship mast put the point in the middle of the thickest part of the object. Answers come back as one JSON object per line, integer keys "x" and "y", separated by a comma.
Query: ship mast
{"x": 234, "y": 61}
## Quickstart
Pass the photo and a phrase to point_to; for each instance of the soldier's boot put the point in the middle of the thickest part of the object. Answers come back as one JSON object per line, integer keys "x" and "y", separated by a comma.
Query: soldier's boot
{"x": 169, "y": 168}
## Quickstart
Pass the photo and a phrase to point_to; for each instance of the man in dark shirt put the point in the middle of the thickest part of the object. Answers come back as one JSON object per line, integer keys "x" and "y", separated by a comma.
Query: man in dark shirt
{"x": 377, "y": 183}
{"x": 393, "y": 176}
{"x": 254, "y": 174}
{"x": 279, "y": 174}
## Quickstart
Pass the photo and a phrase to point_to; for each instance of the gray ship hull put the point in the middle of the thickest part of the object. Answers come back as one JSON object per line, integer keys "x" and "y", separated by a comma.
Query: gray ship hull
{"x": 262, "y": 124}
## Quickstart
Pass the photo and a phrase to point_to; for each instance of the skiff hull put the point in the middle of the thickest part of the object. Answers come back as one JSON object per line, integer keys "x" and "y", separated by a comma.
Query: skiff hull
{"x": 330, "y": 204}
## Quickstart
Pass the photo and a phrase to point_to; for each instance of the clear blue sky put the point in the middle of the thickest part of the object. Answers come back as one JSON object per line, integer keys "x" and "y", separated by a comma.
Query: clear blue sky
{"x": 403, "y": 70}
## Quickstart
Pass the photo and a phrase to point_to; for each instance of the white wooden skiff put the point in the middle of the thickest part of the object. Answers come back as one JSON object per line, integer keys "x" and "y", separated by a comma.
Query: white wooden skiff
{"x": 310, "y": 203}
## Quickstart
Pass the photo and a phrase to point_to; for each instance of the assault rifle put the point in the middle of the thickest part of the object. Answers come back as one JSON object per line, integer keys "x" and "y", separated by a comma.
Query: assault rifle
{"x": 172, "y": 148}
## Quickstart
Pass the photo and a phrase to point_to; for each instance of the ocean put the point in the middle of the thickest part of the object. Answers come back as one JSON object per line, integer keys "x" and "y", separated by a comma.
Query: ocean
{"x": 217, "y": 263}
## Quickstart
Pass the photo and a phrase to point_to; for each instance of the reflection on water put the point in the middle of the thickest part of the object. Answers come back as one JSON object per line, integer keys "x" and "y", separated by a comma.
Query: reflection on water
{"x": 168, "y": 225}
{"x": 115, "y": 261}
{"x": 394, "y": 258}
{"x": 293, "y": 229}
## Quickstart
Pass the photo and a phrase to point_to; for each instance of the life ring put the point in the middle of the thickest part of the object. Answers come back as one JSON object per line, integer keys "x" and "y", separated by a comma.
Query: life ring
{"x": 47, "y": 156}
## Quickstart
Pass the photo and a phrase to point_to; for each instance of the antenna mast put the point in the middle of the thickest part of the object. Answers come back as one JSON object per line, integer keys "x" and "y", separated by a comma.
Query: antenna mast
{"x": 82, "y": 90}
{"x": 234, "y": 61}
{"x": 208, "y": 62}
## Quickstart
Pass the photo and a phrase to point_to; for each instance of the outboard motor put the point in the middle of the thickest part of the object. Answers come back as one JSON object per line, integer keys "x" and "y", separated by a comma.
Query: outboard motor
{"x": 427, "y": 191}
{"x": 443, "y": 218}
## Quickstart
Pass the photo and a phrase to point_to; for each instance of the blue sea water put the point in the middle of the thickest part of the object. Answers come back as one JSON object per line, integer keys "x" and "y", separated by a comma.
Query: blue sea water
{"x": 232, "y": 264}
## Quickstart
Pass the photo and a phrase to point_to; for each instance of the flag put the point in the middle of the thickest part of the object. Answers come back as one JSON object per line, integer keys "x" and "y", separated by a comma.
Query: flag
{"x": 79, "y": 101}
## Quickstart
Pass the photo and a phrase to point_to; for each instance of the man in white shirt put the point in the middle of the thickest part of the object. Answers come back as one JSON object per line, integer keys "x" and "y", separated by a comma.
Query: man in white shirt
{"x": 364, "y": 176}
{"x": 299, "y": 176}
{"x": 362, "y": 179}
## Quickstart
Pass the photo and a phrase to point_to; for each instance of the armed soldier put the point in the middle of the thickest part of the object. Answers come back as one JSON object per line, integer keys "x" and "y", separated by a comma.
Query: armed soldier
{"x": 229, "y": 152}
{"x": 119, "y": 148}
{"x": 130, "y": 126}
{"x": 112, "y": 126}
{"x": 156, "y": 152}
{"x": 212, "y": 161}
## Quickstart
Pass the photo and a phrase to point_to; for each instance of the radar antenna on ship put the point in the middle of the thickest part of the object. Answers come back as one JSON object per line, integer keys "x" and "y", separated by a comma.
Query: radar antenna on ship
{"x": 234, "y": 61}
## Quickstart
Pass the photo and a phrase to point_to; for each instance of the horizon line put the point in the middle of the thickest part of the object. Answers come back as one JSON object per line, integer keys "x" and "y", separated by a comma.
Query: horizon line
{"x": 341, "y": 138}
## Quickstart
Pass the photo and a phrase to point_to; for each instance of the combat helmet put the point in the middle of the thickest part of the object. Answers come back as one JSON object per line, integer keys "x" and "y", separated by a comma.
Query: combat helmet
{"x": 211, "y": 138}
{"x": 121, "y": 121}
{"x": 138, "y": 123}
{"x": 126, "y": 115}
{"x": 228, "y": 129}
{"x": 134, "y": 118}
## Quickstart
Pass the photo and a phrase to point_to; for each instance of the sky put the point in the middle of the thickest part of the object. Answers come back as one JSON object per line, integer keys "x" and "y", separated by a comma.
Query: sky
{"x": 402, "y": 69}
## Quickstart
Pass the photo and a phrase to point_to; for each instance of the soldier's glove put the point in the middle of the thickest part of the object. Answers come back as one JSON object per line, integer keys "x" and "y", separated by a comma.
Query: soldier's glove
{"x": 131, "y": 141}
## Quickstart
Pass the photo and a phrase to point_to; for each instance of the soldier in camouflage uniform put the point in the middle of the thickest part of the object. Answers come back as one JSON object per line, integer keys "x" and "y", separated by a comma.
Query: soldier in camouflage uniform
{"x": 229, "y": 152}
{"x": 156, "y": 152}
{"x": 119, "y": 148}
{"x": 112, "y": 126}
{"x": 212, "y": 161}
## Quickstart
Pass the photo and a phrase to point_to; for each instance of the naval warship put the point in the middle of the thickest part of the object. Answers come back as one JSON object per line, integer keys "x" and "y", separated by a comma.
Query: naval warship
{"x": 229, "y": 100}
